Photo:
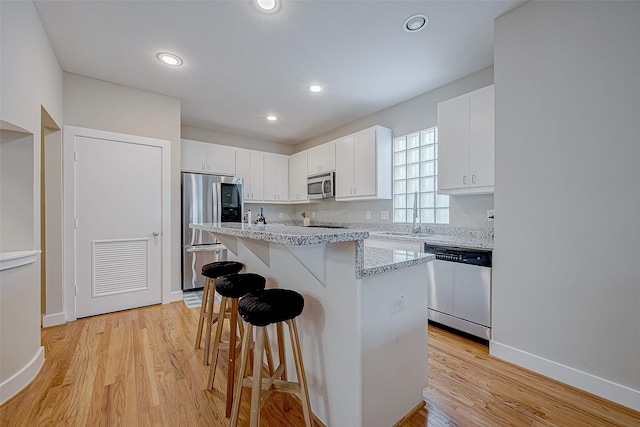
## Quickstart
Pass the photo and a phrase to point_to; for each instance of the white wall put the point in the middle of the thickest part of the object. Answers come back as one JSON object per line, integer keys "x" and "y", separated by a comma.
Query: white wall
{"x": 101, "y": 105}
{"x": 412, "y": 115}
{"x": 566, "y": 276}
{"x": 216, "y": 137}
{"x": 30, "y": 80}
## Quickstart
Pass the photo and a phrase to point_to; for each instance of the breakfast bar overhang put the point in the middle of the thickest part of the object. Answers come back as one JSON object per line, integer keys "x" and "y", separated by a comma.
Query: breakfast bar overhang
{"x": 363, "y": 329}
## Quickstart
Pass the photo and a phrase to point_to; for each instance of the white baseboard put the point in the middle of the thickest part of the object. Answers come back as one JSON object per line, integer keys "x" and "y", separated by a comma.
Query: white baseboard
{"x": 11, "y": 386}
{"x": 173, "y": 297}
{"x": 606, "y": 389}
{"x": 54, "y": 319}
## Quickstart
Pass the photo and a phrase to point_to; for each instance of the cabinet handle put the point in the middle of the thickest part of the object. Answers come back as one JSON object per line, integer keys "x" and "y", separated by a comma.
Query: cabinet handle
{"x": 464, "y": 179}
{"x": 473, "y": 179}
{"x": 204, "y": 167}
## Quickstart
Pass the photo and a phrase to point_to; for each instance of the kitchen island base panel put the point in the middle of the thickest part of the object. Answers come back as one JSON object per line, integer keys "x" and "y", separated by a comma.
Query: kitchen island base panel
{"x": 341, "y": 318}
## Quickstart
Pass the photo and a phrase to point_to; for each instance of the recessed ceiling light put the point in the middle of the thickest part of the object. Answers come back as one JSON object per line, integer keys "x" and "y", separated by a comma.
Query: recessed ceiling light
{"x": 267, "y": 5}
{"x": 169, "y": 59}
{"x": 272, "y": 118}
{"x": 415, "y": 22}
{"x": 315, "y": 88}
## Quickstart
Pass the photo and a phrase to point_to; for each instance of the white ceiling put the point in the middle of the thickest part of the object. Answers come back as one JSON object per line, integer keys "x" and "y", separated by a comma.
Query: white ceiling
{"x": 241, "y": 64}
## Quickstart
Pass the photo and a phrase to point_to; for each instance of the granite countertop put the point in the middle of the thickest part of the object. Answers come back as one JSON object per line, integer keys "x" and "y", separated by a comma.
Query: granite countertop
{"x": 369, "y": 261}
{"x": 460, "y": 241}
{"x": 381, "y": 260}
{"x": 287, "y": 235}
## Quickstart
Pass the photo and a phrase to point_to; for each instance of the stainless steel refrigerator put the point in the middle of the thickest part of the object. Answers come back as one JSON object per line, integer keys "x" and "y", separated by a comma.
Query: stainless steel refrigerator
{"x": 206, "y": 199}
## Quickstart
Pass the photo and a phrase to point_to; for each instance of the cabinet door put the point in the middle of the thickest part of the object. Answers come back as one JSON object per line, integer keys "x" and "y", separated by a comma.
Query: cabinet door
{"x": 193, "y": 156}
{"x": 257, "y": 175}
{"x": 221, "y": 160}
{"x": 250, "y": 167}
{"x": 276, "y": 178}
{"x": 364, "y": 163}
{"x": 482, "y": 138}
{"x": 321, "y": 158}
{"x": 298, "y": 177}
{"x": 344, "y": 167}
{"x": 243, "y": 170}
{"x": 453, "y": 143}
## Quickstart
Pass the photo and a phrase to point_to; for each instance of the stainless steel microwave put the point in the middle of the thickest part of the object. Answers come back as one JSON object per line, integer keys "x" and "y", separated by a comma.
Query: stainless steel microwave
{"x": 321, "y": 186}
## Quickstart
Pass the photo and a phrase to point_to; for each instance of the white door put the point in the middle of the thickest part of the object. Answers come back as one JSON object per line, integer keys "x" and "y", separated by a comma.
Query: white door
{"x": 118, "y": 241}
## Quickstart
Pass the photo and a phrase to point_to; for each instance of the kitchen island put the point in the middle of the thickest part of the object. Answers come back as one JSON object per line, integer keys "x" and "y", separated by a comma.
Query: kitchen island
{"x": 363, "y": 329}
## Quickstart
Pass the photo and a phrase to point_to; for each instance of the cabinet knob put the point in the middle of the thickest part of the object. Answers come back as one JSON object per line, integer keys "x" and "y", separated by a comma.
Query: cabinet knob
{"x": 156, "y": 234}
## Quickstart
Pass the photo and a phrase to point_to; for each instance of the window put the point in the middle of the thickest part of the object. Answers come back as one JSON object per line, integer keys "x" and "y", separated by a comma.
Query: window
{"x": 415, "y": 174}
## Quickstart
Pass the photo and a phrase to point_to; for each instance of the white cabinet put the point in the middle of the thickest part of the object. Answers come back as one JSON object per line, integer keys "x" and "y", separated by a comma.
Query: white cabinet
{"x": 321, "y": 158}
{"x": 363, "y": 165}
{"x": 250, "y": 167}
{"x": 276, "y": 178}
{"x": 466, "y": 143}
{"x": 196, "y": 156}
{"x": 298, "y": 178}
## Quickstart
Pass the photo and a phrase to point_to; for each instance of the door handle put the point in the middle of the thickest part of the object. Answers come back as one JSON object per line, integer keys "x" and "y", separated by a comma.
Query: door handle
{"x": 156, "y": 234}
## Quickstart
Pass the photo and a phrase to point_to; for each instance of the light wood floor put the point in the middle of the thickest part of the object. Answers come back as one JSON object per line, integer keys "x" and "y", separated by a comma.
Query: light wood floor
{"x": 139, "y": 368}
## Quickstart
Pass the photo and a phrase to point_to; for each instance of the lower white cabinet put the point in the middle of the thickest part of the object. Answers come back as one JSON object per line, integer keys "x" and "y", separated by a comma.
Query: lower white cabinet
{"x": 250, "y": 167}
{"x": 363, "y": 165}
{"x": 276, "y": 178}
{"x": 298, "y": 178}
{"x": 196, "y": 156}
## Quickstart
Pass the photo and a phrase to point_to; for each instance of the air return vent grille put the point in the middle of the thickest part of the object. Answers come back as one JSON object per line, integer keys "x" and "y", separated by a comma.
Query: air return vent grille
{"x": 120, "y": 266}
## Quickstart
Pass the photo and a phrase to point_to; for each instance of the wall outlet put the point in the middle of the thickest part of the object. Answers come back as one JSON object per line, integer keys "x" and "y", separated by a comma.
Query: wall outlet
{"x": 396, "y": 305}
{"x": 367, "y": 215}
{"x": 313, "y": 214}
{"x": 281, "y": 215}
{"x": 490, "y": 215}
{"x": 384, "y": 215}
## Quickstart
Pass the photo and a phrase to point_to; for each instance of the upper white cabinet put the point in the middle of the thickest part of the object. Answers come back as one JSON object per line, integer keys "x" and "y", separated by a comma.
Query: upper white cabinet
{"x": 321, "y": 158}
{"x": 363, "y": 165}
{"x": 250, "y": 167}
{"x": 196, "y": 156}
{"x": 466, "y": 135}
{"x": 298, "y": 178}
{"x": 276, "y": 178}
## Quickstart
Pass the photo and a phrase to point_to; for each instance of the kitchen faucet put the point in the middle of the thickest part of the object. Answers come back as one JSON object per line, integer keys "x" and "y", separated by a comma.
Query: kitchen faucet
{"x": 415, "y": 229}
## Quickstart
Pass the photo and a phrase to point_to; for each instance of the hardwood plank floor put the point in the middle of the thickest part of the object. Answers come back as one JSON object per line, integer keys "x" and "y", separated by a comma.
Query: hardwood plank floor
{"x": 139, "y": 368}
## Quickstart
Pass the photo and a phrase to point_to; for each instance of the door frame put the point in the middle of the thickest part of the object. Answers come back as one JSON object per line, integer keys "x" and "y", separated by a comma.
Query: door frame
{"x": 70, "y": 133}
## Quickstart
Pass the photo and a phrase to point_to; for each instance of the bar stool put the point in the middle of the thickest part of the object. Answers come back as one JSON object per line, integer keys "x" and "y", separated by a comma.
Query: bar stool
{"x": 211, "y": 272}
{"x": 231, "y": 288}
{"x": 259, "y": 309}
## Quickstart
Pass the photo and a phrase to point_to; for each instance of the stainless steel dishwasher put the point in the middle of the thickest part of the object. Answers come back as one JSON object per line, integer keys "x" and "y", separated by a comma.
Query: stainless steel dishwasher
{"x": 459, "y": 294}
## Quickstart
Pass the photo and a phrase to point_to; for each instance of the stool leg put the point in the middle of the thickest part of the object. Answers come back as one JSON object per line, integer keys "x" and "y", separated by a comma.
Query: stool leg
{"x": 203, "y": 311}
{"x": 216, "y": 343}
{"x": 244, "y": 357}
{"x": 210, "y": 320}
{"x": 286, "y": 406}
{"x": 302, "y": 379}
{"x": 256, "y": 388}
{"x": 231, "y": 373}
{"x": 267, "y": 350}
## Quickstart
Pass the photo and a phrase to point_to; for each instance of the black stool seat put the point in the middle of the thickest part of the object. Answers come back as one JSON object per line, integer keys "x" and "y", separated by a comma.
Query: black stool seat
{"x": 263, "y": 307}
{"x": 221, "y": 268}
{"x": 238, "y": 285}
